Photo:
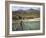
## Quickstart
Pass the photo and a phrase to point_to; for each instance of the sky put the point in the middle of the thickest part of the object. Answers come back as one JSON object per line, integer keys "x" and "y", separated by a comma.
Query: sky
{"x": 24, "y": 7}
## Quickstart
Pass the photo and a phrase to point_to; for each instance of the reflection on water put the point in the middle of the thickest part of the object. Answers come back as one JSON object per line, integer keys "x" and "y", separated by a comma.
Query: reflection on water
{"x": 26, "y": 25}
